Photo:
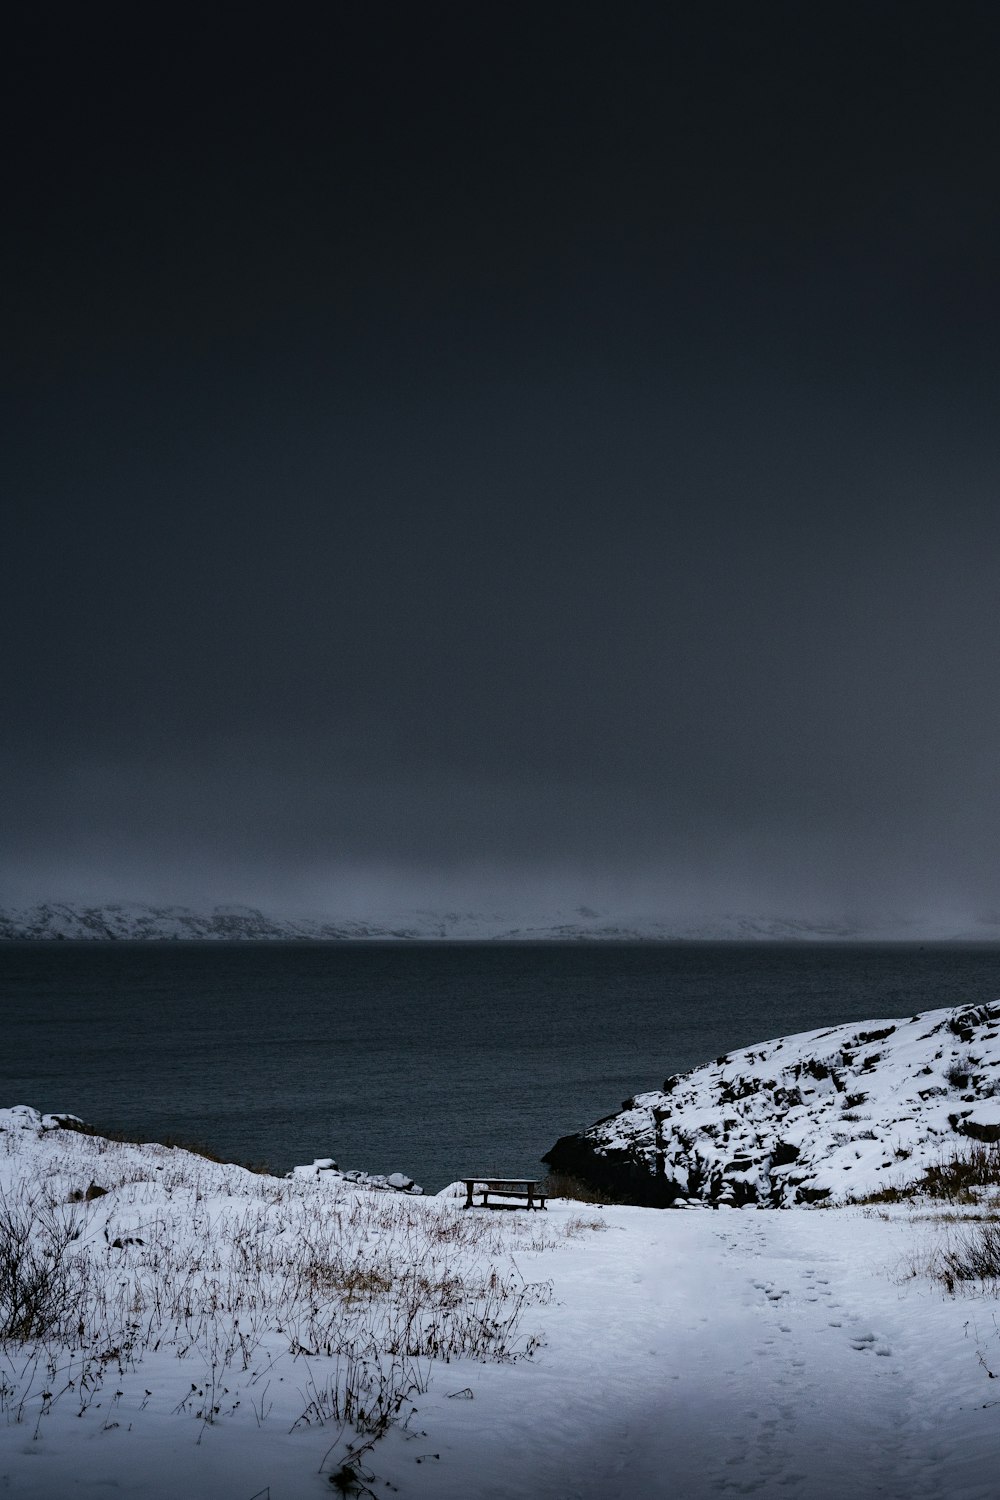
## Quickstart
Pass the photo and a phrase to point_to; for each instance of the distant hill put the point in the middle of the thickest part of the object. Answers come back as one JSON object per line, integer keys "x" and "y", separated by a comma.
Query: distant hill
{"x": 131, "y": 922}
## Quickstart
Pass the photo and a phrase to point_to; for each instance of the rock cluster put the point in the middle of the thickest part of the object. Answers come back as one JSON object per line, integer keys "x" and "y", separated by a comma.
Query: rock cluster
{"x": 326, "y": 1167}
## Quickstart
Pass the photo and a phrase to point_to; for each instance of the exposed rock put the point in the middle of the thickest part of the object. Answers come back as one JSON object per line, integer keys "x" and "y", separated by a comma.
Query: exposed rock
{"x": 88, "y": 1196}
{"x": 978, "y": 1130}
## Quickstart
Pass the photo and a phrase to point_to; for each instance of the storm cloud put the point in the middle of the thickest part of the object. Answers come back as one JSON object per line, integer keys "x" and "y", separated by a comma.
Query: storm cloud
{"x": 533, "y": 453}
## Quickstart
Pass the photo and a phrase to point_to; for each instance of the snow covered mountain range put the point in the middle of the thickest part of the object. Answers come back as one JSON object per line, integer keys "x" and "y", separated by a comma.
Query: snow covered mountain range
{"x": 820, "y": 1117}
{"x": 132, "y": 921}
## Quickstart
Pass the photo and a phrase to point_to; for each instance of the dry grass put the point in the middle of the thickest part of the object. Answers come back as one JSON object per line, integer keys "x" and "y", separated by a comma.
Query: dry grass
{"x": 40, "y": 1282}
{"x": 968, "y": 1182}
{"x": 361, "y": 1291}
{"x": 972, "y": 1256}
{"x": 970, "y": 1175}
{"x": 562, "y": 1185}
{"x": 966, "y": 1259}
{"x": 578, "y": 1226}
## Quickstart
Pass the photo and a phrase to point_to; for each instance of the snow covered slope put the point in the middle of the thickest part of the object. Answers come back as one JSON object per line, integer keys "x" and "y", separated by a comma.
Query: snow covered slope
{"x": 213, "y": 1334}
{"x": 137, "y": 921}
{"x": 823, "y": 1116}
{"x": 130, "y": 921}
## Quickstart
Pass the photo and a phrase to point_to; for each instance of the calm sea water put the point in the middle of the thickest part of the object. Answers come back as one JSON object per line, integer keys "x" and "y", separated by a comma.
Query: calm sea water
{"x": 437, "y": 1060}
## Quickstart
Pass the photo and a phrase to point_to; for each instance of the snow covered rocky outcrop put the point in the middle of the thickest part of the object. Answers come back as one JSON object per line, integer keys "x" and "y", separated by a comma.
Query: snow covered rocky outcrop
{"x": 821, "y": 1117}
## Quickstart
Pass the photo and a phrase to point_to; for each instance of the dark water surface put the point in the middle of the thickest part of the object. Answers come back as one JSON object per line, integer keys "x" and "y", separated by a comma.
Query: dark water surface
{"x": 434, "y": 1059}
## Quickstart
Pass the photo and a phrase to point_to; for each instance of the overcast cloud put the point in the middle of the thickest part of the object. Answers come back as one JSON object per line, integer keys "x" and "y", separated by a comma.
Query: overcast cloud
{"x": 539, "y": 455}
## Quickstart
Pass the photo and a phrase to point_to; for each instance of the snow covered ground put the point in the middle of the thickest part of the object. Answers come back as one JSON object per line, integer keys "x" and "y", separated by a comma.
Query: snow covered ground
{"x": 213, "y": 1321}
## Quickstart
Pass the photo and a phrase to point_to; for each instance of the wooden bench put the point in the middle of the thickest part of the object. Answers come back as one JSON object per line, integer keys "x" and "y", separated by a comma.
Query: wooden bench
{"x": 503, "y": 1187}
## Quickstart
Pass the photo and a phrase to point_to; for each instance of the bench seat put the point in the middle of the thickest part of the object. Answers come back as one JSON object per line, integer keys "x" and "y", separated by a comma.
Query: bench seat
{"x": 525, "y": 1188}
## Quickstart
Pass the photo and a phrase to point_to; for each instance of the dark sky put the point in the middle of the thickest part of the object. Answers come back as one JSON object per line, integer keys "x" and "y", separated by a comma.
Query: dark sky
{"x": 542, "y": 453}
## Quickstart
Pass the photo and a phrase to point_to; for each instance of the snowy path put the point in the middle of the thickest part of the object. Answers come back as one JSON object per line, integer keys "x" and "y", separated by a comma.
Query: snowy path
{"x": 772, "y": 1378}
{"x": 705, "y": 1354}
